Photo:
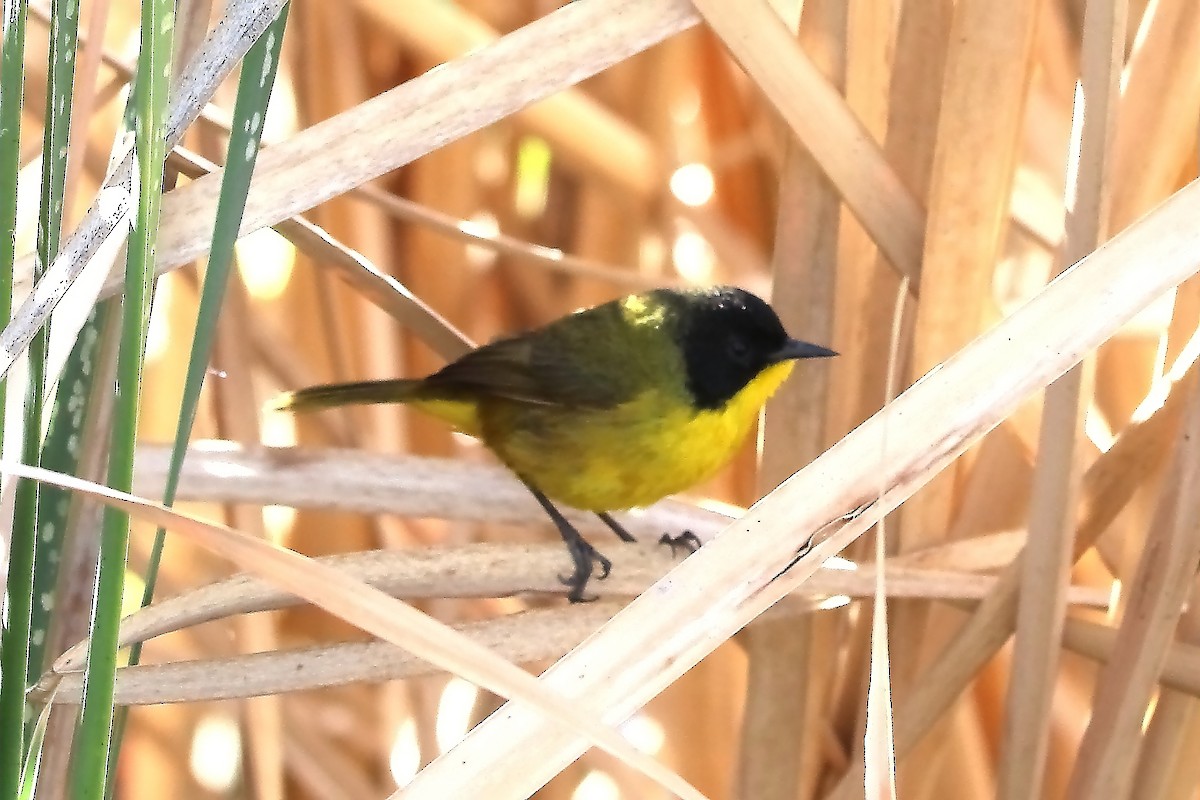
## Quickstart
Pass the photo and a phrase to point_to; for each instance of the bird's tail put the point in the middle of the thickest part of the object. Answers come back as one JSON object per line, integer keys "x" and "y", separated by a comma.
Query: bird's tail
{"x": 329, "y": 395}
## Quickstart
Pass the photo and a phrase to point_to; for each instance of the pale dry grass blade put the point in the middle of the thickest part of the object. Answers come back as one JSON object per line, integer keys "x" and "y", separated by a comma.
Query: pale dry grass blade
{"x": 824, "y": 124}
{"x": 1046, "y": 562}
{"x": 728, "y": 582}
{"x": 108, "y": 220}
{"x": 1094, "y": 640}
{"x": 533, "y": 254}
{"x": 414, "y": 486}
{"x": 1108, "y": 752}
{"x": 428, "y": 112}
{"x": 784, "y": 664}
{"x": 988, "y": 57}
{"x": 1162, "y": 769}
{"x": 404, "y": 209}
{"x": 914, "y": 96}
{"x": 236, "y": 405}
{"x": 374, "y": 612}
{"x": 406, "y": 485}
{"x": 497, "y": 570}
{"x": 879, "y": 747}
{"x": 523, "y": 638}
{"x": 1107, "y": 488}
{"x": 991, "y": 551}
{"x": 579, "y": 128}
{"x": 371, "y": 282}
{"x": 879, "y": 744}
{"x": 480, "y": 168}
{"x": 1164, "y": 62}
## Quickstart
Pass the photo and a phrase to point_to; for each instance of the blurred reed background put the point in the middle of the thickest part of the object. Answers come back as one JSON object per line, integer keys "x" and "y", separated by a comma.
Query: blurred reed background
{"x": 922, "y": 138}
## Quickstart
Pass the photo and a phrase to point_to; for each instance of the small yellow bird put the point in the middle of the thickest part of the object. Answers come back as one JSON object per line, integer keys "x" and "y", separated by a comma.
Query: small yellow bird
{"x": 609, "y": 408}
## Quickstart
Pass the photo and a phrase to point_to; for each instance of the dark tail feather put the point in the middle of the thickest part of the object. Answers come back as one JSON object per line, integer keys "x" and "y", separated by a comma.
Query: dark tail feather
{"x": 343, "y": 394}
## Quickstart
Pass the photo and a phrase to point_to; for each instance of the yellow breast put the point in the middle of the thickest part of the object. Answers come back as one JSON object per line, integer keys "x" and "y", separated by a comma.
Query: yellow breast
{"x": 631, "y": 455}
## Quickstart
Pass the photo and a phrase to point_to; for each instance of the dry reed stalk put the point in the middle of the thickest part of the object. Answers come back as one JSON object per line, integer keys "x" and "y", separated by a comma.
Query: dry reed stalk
{"x": 1046, "y": 563}
{"x": 870, "y": 35}
{"x": 482, "y": 570}
{"x": 1164, "y": 62}
{"x": 372, "y": 611}
{"x": 879, "y": 745}
{"x": 582, "y": 131}
{"x": 984, "y": 553}
{"x": 105, "y": 226}
{"x": 1107, "y": 487}
{"x": 236, "y": 418}
{"x": 522, "y": 638}
{"x": 1112, "y": 548}
{"x": 1108, "y": 753}
{"x": 731, "y": 580}
{"x": 785, "y": 670}
{"x": 1057, "y": 50}
{"x": 826, "y": 126}
{"x": 367, "y": 280}
{"x": 412, "y": 120}
{"x": 1160, "y": 770}
{"x": 987, "y": 62}
{"x": 403, "y": 209}
{"x": 322, "y": 768}
{"x": 535, "y": 255}
{"x": 410, "y": 486}
{"x": 911, "y": 109}
{"x": 914, "y": 97}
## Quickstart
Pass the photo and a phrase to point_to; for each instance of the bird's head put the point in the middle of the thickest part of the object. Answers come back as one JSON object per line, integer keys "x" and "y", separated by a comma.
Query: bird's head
{"x": 728, "y": 336}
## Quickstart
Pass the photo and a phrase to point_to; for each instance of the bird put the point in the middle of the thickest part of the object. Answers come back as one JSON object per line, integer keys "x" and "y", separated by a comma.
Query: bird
{"x": 608, "y": 408}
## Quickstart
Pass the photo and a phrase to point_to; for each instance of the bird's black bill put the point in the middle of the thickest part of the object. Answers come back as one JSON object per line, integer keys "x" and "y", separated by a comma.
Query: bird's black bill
{"x": 794, "y": 348}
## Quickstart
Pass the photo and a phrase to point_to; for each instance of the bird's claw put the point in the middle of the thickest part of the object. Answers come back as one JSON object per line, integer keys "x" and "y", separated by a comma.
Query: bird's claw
{"x": 689, "y": 541}
{"x": 583, "y": 555}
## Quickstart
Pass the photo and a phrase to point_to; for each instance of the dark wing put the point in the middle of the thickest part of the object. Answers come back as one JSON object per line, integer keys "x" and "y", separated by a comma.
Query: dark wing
{"x": 581, "y": 361}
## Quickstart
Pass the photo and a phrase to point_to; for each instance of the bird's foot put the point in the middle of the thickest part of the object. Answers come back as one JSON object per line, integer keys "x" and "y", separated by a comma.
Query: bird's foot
{"x": 584, "y": 557}
{"x": 687, "y": 540}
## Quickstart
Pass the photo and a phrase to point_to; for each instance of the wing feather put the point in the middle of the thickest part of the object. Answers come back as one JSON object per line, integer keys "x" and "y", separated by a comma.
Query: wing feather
{"x": 581, "y": 361}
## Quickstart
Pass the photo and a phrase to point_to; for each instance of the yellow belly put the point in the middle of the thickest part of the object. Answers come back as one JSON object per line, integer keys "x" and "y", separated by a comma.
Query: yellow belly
{"x": 628, "y": 456}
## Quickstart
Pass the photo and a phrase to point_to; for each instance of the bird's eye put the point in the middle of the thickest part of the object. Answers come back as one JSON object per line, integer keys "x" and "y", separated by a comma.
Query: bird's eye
{"x": 738, "y": 349}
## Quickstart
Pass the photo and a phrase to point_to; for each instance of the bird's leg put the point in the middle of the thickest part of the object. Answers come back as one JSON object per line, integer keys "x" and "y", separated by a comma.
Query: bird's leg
{"x": 616, "y": 527}
{"x": 582, "y": 553}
